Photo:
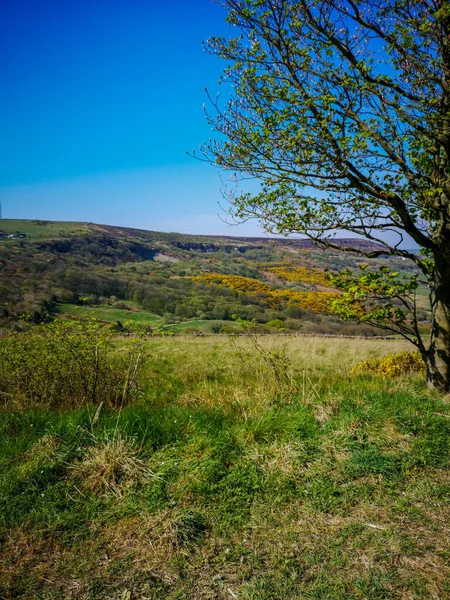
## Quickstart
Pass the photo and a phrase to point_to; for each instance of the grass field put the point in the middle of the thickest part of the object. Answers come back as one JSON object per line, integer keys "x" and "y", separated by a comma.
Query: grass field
{"x": 254, "y": 471}
{"x": 136, "y": 316}
{"x": 200, "y": 326}
{"x": 108, "y": 314}
{"x": 37, "y": 230}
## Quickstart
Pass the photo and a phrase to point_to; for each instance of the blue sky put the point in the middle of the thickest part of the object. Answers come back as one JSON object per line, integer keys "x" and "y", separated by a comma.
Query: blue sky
{"x": 100, "y": 101}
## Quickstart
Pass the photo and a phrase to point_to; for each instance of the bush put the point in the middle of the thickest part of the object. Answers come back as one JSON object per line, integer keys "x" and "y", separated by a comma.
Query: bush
{"x": 191, "y": 330}
{"x": 228, "y": 329}
{"x": 277, "y": 323}
{"x": 394, "y": 365}
{"x": 67, "y": 296}
{"x": 66, "y": 365}
{"x": 120, "y": 305}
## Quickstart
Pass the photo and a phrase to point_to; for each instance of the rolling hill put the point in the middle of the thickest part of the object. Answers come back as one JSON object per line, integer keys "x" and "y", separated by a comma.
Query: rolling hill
{"x": 138, "y": 279}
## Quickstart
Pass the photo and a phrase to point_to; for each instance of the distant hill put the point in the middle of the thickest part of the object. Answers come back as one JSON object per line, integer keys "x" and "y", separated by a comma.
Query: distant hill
{"x": 41, "y": 229}
{"x": 135, "y": 278}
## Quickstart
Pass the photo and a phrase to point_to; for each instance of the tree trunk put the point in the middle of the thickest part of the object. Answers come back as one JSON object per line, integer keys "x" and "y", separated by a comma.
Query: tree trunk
{"x": 437, "y": 358}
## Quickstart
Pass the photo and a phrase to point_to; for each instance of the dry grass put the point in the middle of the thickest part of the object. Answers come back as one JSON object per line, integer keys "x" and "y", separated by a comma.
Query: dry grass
{"x": 279, "y": 457}
{"x": 110, "y": 467}
{"x": 228, "y": 374}
{"x": 368, "y": 539}
{"x": 314, "y": 354}
{"x": 357, "y": 549}
{"x": 325, "y": 410}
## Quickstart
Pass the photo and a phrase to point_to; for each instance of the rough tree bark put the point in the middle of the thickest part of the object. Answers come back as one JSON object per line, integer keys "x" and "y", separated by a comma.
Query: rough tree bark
{"x": 437, "y": 355}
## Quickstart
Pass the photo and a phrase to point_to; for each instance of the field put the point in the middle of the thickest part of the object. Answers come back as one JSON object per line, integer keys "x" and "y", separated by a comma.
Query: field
{"x": 136, "y": 316}
{"x": 203, "y": 327}
{"x": 38, "y": 229}
{"x": 250, "y": 468}
{"x": 110, "y": 315}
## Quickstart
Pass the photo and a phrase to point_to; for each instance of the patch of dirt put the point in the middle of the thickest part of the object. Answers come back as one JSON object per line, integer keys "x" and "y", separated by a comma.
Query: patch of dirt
{"x": 165, "y": 258}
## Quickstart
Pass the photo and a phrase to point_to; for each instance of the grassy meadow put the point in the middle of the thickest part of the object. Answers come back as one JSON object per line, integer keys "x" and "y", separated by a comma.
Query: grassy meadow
{"x": 135, "y": 316}
{"x": 249, "y": 468}
{"x": 38, "y": 229}
{"x": 108, "y": 315}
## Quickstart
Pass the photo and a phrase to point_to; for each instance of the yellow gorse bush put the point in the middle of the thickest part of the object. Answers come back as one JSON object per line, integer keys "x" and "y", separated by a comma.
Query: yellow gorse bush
{"x": 393, "y": 365}
{"x": 298, "y": 274}
{"x": 319, "y": 302}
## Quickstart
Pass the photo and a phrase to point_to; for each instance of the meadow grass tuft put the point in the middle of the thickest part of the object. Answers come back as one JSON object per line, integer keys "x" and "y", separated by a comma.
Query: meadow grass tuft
{"x": 110, "y": 467}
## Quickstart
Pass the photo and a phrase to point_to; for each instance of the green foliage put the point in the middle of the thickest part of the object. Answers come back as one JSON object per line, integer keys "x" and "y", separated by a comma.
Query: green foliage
{"x": 277, "y": 323}
{"x": 107, "y": 274}
{"x": 358, "y": 128}
{"x": 383, "y": 298}
{"x": 337, "y": 108}
{"x": 66, "y": 364}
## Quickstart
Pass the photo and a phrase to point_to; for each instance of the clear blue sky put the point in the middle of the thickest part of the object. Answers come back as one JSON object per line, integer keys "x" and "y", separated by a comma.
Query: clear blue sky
{"x": 100, "y": 100}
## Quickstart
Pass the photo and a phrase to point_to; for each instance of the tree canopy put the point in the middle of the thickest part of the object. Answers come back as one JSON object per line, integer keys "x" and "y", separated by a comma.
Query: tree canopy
{"x": 341, "y": 109}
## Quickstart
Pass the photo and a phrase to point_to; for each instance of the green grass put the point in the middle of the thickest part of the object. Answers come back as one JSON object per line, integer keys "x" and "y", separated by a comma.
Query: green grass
{"x": 141, "y": 317}
{"x": 109, "y": 314}
{"x": 39, "y": 230}
{"x": 201, "y": 326}
{"x": 230, "y": 483}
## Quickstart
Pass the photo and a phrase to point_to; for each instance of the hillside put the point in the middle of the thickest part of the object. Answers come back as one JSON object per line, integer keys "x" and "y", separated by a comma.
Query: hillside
{"x": 135, "y": 278}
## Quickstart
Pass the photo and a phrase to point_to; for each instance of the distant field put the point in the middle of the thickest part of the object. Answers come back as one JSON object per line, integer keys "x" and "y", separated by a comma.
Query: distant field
{"x": 43, "y": 229}
{"x": 141, "y": 317}
{"x": 202, "y": 326}
{"x": 112, "y": 315}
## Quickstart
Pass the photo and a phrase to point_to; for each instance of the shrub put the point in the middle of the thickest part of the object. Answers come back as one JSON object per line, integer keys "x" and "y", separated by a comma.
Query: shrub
{"x": 227, "y": 329}
{"x": 294, "y": 311}
{"x": 191, "y": 330}
{"x": 66, "y": 365}
{"x": 300, "y": 274}
{"x": 318, "y": 302}
{"x": 277, "y": 323}
{"x": 120, "y": 305}
{"x": 393, "y": 365}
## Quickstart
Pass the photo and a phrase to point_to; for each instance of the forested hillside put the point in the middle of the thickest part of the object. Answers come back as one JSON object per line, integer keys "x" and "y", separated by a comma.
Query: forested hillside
{"x": 136, "y": 279}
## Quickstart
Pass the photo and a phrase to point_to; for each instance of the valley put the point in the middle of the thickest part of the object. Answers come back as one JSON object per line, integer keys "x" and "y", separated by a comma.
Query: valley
{"x": 156, "y": 282}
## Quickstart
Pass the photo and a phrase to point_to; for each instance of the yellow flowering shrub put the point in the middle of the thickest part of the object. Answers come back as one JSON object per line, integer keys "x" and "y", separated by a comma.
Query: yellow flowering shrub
{"x": 319, "y": 302}
{"x": 302, "y": 274}
{"x": 393, "y": 365}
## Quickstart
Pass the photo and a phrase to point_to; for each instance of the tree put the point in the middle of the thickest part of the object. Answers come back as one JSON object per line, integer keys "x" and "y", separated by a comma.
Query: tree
{"x": 341, "y": 108}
